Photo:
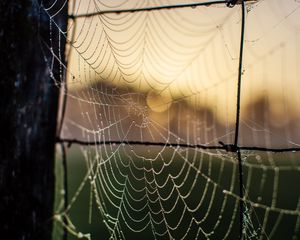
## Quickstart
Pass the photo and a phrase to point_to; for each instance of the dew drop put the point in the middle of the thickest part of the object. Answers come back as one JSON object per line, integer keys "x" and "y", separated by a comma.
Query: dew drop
{"x": 88, "y": 236}
{"x": 58, "y": 217}
{"x": 259, "y": 198}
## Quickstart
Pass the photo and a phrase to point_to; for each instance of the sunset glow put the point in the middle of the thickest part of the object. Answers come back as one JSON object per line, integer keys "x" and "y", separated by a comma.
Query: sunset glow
{"x": 190, "y": 53}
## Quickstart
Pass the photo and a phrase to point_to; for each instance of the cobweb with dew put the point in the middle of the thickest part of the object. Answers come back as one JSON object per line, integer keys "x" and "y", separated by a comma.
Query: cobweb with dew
{"x": 151, "y": 103}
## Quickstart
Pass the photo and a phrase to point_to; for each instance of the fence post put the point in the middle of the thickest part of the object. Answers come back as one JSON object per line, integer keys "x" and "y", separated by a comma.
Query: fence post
{"x": 28, "y": 116}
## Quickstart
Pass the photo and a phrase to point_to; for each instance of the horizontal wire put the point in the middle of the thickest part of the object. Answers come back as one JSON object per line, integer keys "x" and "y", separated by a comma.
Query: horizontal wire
{"x": 222, "y": 146}
{"x": 157, "y": 8}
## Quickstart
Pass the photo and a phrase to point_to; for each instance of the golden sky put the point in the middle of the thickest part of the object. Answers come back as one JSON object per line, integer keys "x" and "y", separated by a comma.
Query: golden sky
{"x": 190, "y": 53}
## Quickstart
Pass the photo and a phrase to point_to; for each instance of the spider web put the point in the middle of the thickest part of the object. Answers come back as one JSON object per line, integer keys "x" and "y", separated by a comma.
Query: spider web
{"x": 151, "y": 100}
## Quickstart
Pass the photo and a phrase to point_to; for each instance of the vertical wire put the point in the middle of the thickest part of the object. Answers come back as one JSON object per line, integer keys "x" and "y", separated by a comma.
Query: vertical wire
{"x": 240, "y": 73}
{"x": 63, "y": 149}
{"x": 237, "y": 126}
{"x": 241, "y": 192}
{"x": 65, "y": 184}
{"x": 64, "y": 89}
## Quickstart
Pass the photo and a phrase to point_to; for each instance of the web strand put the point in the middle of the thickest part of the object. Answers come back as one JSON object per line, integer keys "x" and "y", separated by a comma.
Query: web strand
{"x": 163, "y": 158}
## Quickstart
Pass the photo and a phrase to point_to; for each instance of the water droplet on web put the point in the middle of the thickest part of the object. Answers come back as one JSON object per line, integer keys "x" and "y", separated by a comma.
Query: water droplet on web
{"x": 258, "y": 158}
{"x": 259, "y": 198}
{"x": 58, "y": 217}
{"x": 88, "y": 236}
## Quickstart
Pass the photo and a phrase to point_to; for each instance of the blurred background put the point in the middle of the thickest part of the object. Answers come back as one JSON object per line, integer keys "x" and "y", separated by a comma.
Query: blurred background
{"x": 184, "y": 63}
{"x": 170, "y": 76}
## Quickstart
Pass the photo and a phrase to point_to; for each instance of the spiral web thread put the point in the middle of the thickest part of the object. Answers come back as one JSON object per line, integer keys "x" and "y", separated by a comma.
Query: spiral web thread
{"x": 149, "y": 97}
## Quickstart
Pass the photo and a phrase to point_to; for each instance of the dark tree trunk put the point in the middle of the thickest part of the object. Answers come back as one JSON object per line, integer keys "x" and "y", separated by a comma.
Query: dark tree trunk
{"x": 28, "y": 116}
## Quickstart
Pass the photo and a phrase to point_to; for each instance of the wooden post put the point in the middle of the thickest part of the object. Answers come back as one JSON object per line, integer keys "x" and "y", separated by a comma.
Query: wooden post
{"x": 28, "y": 116}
